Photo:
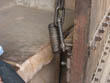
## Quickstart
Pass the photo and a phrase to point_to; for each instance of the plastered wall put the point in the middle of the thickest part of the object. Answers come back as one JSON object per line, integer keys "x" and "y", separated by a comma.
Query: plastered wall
{"x": 43, "y": 4}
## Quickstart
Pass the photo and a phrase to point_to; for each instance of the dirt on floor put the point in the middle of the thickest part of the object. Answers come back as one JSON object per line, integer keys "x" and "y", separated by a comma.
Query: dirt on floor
{"x": 49, "y": 74}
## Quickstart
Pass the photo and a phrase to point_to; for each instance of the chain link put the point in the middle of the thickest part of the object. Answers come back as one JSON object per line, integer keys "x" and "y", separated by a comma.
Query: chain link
{"x": 59, "y": 12}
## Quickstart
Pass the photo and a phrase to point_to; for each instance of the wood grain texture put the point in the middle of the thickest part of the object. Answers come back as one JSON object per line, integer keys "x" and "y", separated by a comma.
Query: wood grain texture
{"x": 70, "y": 4}
{"x": 80, "y": 40}
{"x": 99, "y": 7}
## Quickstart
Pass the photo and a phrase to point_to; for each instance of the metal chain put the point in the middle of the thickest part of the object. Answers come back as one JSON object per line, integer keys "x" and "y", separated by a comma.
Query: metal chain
{"x": 59, "y": 46}
{"x": 59, "y": 12}
{"x": 59, "y": 21}
{"x": 56, "y": 28}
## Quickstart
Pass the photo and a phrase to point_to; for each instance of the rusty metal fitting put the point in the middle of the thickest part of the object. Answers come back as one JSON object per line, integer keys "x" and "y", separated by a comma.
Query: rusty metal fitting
{"x": 105, "y": 24}
{"x": 105, "y": 53}
{"x": 100, "y": 69}
{"x": 107, "y": 48}
{"x": 63, "y": 63}
{"x": 109, "y": 14}
{"x": 107, "y": 18}
{"x": 98, "y": 38}
{"x": 109, "y": 41}
{"x": 101, "y": 31}
{"x": 102, "y": 61}
{"x": 96, "y": 79}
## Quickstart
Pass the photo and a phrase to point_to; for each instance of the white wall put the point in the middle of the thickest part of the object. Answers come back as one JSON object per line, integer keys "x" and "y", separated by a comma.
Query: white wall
{"x": 44, "y": 4}
{"x": 41, "y": 4}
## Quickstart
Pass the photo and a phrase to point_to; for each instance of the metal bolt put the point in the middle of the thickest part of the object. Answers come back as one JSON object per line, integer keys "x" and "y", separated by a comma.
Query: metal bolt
{"x": 105, "y": 53}
{"x": 96, "y": 79}
{"x": 109, "y": 41}
{"x": 101, "y": 31}
{"x": 107, "y": 18}
{"x": 97, "y": 38}
{"x": 102, "y": 61}
{"x": 105, "y": 24}
{"x": 109, "y": 14}
{"x": 63, "y": 63}
{"x": 107, "y": 48}
{"x": 99, "y": 70}
{"x": 108, "y": 80}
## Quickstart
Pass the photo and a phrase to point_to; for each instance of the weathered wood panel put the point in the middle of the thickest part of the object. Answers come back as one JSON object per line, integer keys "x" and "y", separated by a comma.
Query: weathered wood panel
{"x": 80, "y": 40}
{"x": 88, "y": 15}
{"x": 99, "y": 7}
{"x": 70, "y": 4}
